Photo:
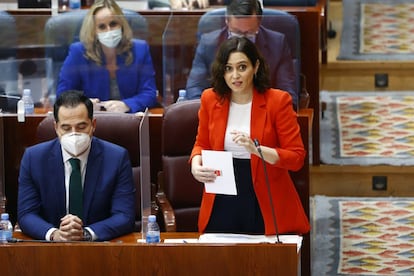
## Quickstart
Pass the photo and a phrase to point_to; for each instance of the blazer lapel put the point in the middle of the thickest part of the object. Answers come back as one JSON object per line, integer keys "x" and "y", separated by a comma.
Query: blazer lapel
{"x": 220, "y": 111}
{"x": 257, "y": 124}
{"x": 92, "y": 176}
{"x": 57, "y": 178}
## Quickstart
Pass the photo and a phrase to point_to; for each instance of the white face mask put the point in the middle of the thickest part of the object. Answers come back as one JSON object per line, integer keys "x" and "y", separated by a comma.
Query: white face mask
{"x": 75, "y": 143}
{"x": 251, "y": 37}
{"x": 110, "y": 39}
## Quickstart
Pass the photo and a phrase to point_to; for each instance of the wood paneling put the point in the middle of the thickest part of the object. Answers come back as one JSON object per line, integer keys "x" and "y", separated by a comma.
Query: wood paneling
{"x": 127, "y": 257}
{"x": 356, "y": 180}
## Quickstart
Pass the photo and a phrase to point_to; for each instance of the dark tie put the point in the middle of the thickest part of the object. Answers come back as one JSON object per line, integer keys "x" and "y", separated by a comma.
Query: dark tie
{"x": 75, "y": 189}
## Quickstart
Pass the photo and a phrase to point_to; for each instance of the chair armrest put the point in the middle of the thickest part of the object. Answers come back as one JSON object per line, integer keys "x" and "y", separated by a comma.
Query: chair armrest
{"x": 165, "y": 206}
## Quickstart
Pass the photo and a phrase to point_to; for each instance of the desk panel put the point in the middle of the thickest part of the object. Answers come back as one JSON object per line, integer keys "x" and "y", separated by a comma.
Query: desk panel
{"x": 126, "y": 257}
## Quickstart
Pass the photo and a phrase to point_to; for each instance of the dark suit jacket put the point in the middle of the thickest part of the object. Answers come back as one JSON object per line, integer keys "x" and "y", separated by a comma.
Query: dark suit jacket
{"x": 108, "y": 194}
{"x": 272, "y": 45}
{"x": 274, "y": 124}
{"x": 136, "y": 81}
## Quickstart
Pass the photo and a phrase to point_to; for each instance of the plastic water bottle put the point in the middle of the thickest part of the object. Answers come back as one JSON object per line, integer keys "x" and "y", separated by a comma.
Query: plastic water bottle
{"x": 153, "y": 230}
{"x": 181, "y": 95}
{"x": 6, "y": 228}
{"x": 28, "y": 101}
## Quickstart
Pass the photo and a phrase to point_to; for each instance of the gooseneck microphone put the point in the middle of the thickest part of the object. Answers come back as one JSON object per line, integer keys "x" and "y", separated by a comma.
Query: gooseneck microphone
{"x": 257, "y": 144}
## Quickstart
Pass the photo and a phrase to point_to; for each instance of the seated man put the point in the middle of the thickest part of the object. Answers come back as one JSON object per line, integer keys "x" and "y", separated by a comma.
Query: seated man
{"x": 49, "y": 205}
{"x": 243, "y": 19}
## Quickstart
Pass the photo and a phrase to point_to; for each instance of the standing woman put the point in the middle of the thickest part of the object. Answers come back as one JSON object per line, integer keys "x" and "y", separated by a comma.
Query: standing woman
{"x": 238, "y": 109}
{"x": 111, "y": 67}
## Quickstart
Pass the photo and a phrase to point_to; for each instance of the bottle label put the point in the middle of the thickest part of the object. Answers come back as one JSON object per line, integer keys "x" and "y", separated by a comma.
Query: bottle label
{"x": 5, "y": 235}
{"x": 153, "y": 237}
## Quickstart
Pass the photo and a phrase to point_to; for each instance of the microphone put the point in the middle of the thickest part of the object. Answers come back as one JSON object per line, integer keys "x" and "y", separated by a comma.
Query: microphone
{"x": 257, "y": 144}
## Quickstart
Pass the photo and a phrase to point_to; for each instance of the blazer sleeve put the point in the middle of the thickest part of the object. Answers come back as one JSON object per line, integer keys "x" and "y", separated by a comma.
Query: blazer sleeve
{"x": 41, "y": 196}
{"x": 199, "y": 78}
{"x": 290, "y": 146}
{"x": 70, "y": 75}
{"x": 203, "y": 133}
{"x": 121, "y": 196}
{"x": 286, "y": 75}
{"x": 144, "y": 93}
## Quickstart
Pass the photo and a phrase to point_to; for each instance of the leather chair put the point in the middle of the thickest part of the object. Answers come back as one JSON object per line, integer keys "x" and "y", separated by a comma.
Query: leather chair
{"x": 276, "y": 20}
{"x": 119, "y": 128}
{"x": 179, "y": 194}
{"x": 63, "y": 29}
{"x": 8, "y": 35}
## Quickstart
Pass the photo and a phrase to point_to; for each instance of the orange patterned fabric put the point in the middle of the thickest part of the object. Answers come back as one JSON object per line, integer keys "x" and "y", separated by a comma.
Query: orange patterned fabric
{"x": 387, "y": 28}
{"x": 376, "y": 238}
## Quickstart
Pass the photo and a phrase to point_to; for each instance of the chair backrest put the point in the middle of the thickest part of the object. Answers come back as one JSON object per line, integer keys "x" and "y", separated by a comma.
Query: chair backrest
{"x": 275, "y": 20}
{"x": 119, "y": 128}
{"x": 179, "y": 129}
{"x": 63, "y": 29}
{"x": 8, "y": 35}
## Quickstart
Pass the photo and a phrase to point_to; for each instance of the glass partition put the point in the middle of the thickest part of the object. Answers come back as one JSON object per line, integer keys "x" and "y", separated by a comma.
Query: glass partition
{"x": 23, "y": 64}
{"x": 179, "y": 43}
{"x": 182, "y": 33}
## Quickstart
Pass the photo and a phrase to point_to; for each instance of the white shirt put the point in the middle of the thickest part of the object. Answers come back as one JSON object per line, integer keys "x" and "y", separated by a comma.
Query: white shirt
{"x": 239, "y": 119}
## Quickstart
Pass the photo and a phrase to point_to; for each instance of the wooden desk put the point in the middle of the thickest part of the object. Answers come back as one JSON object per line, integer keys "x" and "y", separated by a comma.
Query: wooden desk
{"x": 124, "y": 256}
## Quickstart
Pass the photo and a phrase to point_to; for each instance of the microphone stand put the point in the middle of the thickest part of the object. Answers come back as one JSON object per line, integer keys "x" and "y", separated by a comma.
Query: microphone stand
{"x": 256, "y": 143}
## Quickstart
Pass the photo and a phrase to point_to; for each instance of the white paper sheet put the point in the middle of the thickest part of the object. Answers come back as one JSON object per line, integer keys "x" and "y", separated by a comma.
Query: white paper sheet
{"x": 222, "y": 162}
{"x": 243, "y": 238}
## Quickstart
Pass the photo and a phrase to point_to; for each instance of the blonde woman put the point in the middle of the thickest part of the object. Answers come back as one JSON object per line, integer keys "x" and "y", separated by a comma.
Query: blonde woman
{"x": 111, "y": 67}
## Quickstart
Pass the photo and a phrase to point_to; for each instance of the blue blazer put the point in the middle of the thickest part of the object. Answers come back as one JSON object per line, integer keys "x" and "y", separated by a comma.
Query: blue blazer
{"x": 108, "y": 194}
{"x": 272, "y": 45}
{"x": 136, "y": 81}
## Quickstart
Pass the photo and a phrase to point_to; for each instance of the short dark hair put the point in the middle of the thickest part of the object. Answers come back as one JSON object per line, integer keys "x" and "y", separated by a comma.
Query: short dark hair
{"x": 238, "y": 44}
{"x": 72, "y": 98}
{"x": 244, "y": 7}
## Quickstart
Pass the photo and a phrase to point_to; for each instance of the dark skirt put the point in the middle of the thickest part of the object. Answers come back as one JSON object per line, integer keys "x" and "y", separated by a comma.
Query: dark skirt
{"x": 241, "y": 213}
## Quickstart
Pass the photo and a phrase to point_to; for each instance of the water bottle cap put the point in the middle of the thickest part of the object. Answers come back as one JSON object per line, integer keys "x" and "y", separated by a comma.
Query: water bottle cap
{"x": 26, "y": 92}
{"x": 182, "y": 92}
{"x": 151, "y": 218}
{"x": 4, "y": 216}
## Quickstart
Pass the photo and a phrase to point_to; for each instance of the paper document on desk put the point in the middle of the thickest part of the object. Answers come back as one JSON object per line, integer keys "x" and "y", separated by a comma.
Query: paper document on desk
{"x": 222, "y": 162}
{"x": 243, "y": 238}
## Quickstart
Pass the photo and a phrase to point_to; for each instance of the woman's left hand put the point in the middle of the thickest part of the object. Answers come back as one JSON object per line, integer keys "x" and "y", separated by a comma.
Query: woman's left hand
{"x": 115, "y": 106}
{"x": 243, "y": 139}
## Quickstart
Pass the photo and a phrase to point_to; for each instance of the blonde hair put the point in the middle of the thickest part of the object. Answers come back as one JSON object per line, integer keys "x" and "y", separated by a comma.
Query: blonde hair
{"x": 90, "y": 40}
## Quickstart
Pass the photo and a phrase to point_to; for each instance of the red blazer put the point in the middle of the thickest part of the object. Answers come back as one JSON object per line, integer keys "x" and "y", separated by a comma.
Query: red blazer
{"x": 274, "y": 124}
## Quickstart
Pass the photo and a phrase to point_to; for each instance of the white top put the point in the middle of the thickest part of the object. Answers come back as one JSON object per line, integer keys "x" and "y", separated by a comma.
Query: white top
{"x": 239, "y": 119}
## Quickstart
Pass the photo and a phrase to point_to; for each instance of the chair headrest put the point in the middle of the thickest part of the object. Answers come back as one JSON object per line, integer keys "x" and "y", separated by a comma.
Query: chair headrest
{"x": 119, "y": 128}
{"x": 179, "y": 128}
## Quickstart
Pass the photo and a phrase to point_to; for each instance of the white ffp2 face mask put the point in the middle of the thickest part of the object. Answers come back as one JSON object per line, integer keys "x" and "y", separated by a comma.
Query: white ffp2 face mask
{"x": 75, "y": 143}
{"x": 110, "y": 39}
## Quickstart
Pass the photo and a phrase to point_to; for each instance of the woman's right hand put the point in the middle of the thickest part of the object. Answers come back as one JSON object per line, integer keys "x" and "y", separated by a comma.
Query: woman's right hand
{"x": 200, "y": 173}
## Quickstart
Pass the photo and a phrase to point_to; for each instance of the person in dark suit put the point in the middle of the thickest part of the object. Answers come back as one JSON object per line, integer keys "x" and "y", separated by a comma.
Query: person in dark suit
{"x": 243, "y": 19}
{"x": 44, "y": 201}
{"x": 112, "y": 69}
{"x": 239, "y": 108}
